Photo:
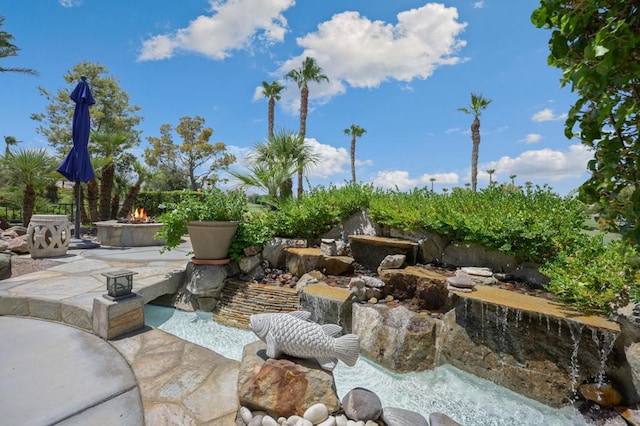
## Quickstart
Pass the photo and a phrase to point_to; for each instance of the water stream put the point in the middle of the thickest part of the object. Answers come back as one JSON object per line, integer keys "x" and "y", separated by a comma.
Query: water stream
{"x": 466, "y": 398}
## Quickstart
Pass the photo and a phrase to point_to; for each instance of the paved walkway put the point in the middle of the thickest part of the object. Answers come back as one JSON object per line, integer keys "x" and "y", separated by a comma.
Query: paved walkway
{"x": 60, "y": 373}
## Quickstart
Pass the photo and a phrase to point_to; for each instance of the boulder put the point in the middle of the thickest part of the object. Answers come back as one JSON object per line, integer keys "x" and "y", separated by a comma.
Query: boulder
{"x": 393, "y": 261}
{"x": 358, "y": 224}
{"x": 370, "y": 251}
{"x": 5, "y": 265}
{"x": 285, "y": 386}
{"x": 395, "y": 337}
{"x": 430, "y": 244}
{"x": 477, "y": 255}
{"x": 274, "y": 250}
{"x": 206, "y": 280}
{"x": 425, "y": 289}
{"x": 18, "y": 244}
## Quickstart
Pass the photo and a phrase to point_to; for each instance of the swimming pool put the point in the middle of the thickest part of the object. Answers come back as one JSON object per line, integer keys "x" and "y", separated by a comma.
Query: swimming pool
{"x": 465, "y": 398}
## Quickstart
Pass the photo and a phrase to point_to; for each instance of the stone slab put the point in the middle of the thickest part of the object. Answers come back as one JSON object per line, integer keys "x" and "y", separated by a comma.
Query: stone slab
{"x": 112, "y": 319}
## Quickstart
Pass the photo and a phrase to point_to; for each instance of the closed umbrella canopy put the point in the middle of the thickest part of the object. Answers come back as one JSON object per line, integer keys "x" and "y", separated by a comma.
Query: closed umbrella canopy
{"x": 77, "y": 165}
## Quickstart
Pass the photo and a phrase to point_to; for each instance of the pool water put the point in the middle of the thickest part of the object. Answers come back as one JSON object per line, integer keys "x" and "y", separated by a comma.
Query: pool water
{"x": 465, "y": 398}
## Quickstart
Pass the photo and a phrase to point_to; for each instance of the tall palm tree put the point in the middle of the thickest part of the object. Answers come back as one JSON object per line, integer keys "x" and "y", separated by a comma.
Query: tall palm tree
{"x": 513, "y": 177}
{"x": 309, "y": 71}
{"x": 490, "y": 172}
{"x": 432, "y": 180}
{"x": 477, "y": 106}
{"x": 355, "y": 132}
{"x": 10, "y": 141}
{"x": 129, "y": 201}
{"x": 110, "y": 147}
{"x": 271, "y": 91}
{"x": 31, "y": 167}
{"x": 7, "y": 48}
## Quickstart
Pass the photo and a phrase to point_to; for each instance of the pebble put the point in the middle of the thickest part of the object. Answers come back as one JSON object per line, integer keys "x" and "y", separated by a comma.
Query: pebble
{"x": 604, "y": 395}
{"x": 481, "y": 272}
{"x": 269, "y": 421}
{"x": 400, "y": 417}
{"x": 389, "y": 298}
{"x": 293, "y": 420}
{"x": 303, "y": 422}
{"x": 317, "y": 413}
{"x": 441, "y": 419}
{"x": 461, "y": 282}
{"x": 362, "y": 404}
{"x": 341, "y": 420}
{"x": 330, "y": 421}
{"x": 256, "y": 421}
{"x": 245, "y": 415}
{"x": 373, "y": 300}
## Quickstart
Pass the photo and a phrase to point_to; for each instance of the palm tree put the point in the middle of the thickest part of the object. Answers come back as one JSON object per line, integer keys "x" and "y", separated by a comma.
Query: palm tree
{"x": 7, "y": 48}
{"x": 310, "y": 71}
{"x": 9, "y": 142}
{"x": 432, "y": 180}
{"x": 276, "y": 162}
{"x": 110, "y": 148}
{"x": 355, "y": 132}
{"x": 513, "y": 177}
{"x": 477, "y": 106}
{"x": 272, "y": 93}
{"x": 491, "y": 172}
{"x": 32, "y": 167}
{"x": 129, "y": 201}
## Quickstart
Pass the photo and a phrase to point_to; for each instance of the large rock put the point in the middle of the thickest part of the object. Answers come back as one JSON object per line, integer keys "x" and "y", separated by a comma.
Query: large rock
{"x": 358, "y": 224}
{"x": 274, "y": 250}
{"x": 370, "y": 251}
{"x": 304, "y": 260}
{"x": 425, "y": 289}
{"x": 283, "y": 387}
{"x": 206, "y": 280}
{"x": 430, "y": 244}
{"x": 396, "y": 338}
{"x": 361, "y": 404}
{"x": 628, "y": 318}
{"x": 18, "y": 244}
{"x": 328, "y": 305}
{"x": 5, "y": 265}
{"x": 477, "y": 255}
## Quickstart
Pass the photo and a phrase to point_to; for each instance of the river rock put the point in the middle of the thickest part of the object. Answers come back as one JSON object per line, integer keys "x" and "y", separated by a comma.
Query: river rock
{"x": 604, "y": 395}
{"x": 341, "y": 420}
{"x": 461, "y": 282}
{"x": 630, "y": 414}
{"x": 205, "y": 280}
{"x": 361, "y": 404}
{"x": 249, "y": 263}
{"x": 393, "y": 261}
{"x": 317, "y": 413}
{"x": 477, "y": 271}
{"x": 283, "y": 387}
{"x": 441, "y": 419}
{"x": 245, "y": 414}
{"x": 18, "y": 244}
{"x": 400, "y": 417}
{"x": 269, "y": 421}
{"x": 330, "y": 421}
{"x": 256, "y": 421}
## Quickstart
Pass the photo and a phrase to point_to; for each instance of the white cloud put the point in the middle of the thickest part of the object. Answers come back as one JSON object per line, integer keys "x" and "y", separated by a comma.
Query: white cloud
{"x": 478, "y": 4}
{"x": 393, "y": 179}
{"x": 70, "y": 3}
{"x": 532, "y": 138}
{"x": 547, "y": 115}
{"x": 440, "y": 178}
{"x": 233, "y": 25}
{"x": 333, "y": 160}
{"x": 544, "y": 164}
{"x": 452, "y": 130}
{"x": 357, "y": 52}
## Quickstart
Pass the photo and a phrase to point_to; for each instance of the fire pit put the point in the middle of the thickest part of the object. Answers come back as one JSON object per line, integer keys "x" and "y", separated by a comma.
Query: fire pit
{"x": 138, "y": 230}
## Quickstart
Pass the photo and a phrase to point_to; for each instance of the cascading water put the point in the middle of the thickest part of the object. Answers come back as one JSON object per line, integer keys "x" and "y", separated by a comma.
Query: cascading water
{"x": 605, "y": 346}
{"x": 576, "y": 332}
{"x": 466, "y": 398}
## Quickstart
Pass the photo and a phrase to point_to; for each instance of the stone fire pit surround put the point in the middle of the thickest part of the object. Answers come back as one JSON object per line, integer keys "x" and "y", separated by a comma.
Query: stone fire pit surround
{"x": 118, "y": 234}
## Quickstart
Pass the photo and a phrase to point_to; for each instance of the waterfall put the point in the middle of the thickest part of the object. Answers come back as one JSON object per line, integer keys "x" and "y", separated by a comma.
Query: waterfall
{"x": 604, "y": 348}
{"x": 576, "y": 332}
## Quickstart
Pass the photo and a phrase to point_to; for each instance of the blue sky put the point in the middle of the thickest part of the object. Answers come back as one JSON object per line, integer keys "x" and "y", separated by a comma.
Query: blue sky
{"x": 400, "y": 69}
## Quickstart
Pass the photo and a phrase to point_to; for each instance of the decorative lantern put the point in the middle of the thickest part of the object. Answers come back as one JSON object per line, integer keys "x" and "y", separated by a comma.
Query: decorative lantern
{"x": 119, "y": 284}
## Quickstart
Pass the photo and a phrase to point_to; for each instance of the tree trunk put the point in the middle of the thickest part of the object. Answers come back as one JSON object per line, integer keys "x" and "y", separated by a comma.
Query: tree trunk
{"x": 271, "y": 115}
{"x": 304, "y": 103}
{"x": 106, "y": 186}
{"x": 28, "y": 204}
{"x": 353, "y": 159}
{"x": 92, "y": 200}
{"x": 115, "y": 204}
{"x": 130, "y": 200}
{"x": 475, "y": 137}
{"x": 83, "y": 211}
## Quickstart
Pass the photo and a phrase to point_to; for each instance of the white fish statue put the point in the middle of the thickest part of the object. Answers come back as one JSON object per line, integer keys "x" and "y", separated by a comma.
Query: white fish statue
{"x": 291, "y": 334}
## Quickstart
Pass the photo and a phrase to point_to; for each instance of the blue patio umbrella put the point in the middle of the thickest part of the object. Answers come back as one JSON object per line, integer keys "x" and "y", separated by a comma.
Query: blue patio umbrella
{"x": 77, "y": 165}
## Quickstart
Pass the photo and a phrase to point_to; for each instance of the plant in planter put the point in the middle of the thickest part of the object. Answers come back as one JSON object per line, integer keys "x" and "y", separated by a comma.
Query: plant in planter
{"x": 197, "y": 213}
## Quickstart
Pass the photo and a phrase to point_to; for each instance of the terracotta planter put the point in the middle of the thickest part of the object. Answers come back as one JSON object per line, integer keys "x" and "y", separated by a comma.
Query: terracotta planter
{"x": 211, "y": 240}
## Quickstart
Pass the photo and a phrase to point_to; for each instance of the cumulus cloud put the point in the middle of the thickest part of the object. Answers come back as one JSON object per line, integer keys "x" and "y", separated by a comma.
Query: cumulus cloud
{"x": 233, "y": 25}
{"x": 547, "y": 114}
{"x": 354, "y": 51}
{"x": 333, "y": 160}
{"x": 545, "y": 164}
{"x": 532, "y": 138}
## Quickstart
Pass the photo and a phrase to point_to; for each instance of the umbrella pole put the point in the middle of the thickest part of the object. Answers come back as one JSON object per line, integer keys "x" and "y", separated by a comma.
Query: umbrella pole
{"x": 77, "y": 219}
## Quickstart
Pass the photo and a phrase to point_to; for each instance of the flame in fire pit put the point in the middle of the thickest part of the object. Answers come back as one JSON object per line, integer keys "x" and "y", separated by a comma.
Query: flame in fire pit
{"x": 139, "y": 215}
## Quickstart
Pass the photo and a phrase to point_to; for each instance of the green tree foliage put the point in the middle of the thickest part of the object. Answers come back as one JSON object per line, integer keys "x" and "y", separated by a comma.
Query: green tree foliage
{"x": 8, "y": 49}
{"x": 476, "y": 107}
{"x": 112, "y": 112}
{"x": 596, "y": 44}
{"x": 30, "y": 169}
{"x": 308, "y": 72}
{"x": 194, "y": 152}
{"x": 355, "y": 132}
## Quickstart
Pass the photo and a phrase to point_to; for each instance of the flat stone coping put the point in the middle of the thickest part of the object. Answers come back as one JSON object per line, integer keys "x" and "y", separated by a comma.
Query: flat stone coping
{"x": 327, "y": 292}
{"x": 383, "y": 241}
{"x": 523, "y": 302}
